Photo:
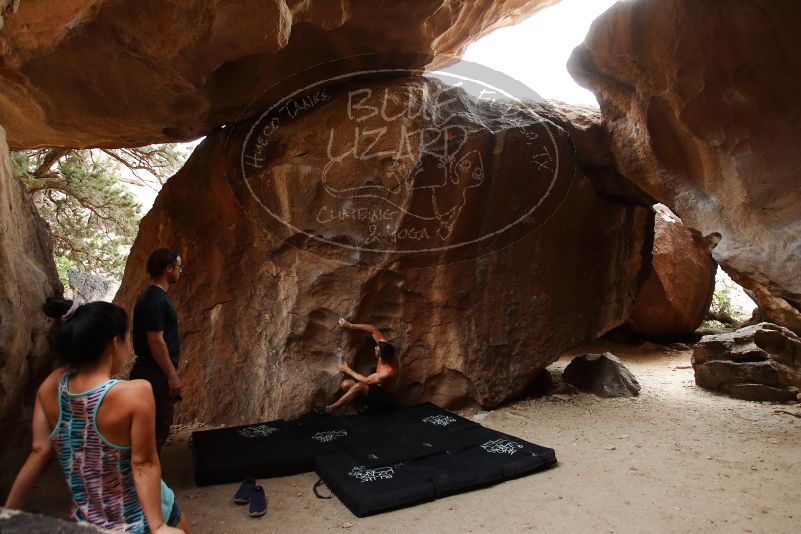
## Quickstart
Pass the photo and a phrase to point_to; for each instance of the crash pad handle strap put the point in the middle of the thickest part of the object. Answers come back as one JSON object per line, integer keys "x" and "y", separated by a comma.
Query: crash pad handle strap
{"x": 317, "y": 484}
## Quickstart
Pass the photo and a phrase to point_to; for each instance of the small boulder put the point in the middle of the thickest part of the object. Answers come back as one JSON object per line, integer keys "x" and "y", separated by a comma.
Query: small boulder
{"x": 88, "y": 287}
{"x": 761, "y": 362}
{"x": 548, "y": 382}
{"x": 601, "y": 374}
{"x": 675, "y": 297}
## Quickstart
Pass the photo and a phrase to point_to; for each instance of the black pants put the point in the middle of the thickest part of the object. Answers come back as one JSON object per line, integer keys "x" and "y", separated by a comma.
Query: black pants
{"x": 377, "y": 399}
{"x": 150, "y": 371}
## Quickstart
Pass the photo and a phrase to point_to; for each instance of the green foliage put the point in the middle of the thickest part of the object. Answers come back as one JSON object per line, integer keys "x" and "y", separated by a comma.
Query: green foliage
{"x": 721, "y": 299}
{"x": 63, "y": 265}
{"x": 19, "y": 162}
{"x": 93, "y": 217}
{"x": 722, "y": 312}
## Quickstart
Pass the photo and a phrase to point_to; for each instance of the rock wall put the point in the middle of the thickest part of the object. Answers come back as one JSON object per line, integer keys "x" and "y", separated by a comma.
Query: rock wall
{"x": 699, "y": 100}
{"x": 28, "y": 277}
{"x": 258, "y": 302}
{"x": 107, "y": 73}
{"x": 677, "y": 294}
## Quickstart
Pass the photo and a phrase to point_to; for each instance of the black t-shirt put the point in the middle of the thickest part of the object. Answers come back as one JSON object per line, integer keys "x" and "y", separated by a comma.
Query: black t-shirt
{"x": 154, "y": 313}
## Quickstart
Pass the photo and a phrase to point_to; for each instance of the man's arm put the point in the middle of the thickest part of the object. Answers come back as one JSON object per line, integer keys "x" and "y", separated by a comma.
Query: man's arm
{"x": 158, "y": 349}
{"x": 37, "y": 461}
{"x": 375, "y": 332}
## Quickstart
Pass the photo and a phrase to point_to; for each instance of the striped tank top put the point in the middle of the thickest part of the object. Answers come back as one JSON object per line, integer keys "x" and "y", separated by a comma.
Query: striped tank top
{"x": 99, "y": 474}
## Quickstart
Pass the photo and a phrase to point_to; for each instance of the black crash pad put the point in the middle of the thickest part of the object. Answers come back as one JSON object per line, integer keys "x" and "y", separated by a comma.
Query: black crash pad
{"x": 365, "y": 490}
{"x": 515, "y": 457}
{"x": 322, "y": 434}
{"x": 406, "y": 443}
{"x": 427, "y": 414}
{"x": 495, "y": 457}
{"x": 260, "y": 450}
{"x": 373, "y": 463}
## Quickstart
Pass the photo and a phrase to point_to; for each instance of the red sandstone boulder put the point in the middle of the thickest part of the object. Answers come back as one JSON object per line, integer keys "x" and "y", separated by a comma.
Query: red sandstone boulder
{"x": 28, "y": 277}
{"x": 266, "y": 278}
{"x": 127, "y": 73}
{"x": 700, "y": 101}
{"x": 676, "y": 296}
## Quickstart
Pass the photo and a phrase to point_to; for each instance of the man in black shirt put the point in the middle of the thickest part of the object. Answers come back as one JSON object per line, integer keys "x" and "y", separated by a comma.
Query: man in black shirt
{"x": 155, "y": 338}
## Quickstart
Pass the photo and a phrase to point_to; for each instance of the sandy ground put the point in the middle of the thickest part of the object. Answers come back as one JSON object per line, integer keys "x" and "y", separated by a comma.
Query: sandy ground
{"x": 675, "y": 459}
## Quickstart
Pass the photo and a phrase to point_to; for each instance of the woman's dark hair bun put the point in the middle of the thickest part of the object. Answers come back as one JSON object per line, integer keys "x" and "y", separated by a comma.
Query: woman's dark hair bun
{"x": 55, "y": 307}
{"x": 84, "y": 337}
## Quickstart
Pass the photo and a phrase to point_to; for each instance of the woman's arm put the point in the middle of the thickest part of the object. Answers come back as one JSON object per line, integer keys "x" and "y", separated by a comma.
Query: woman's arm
{"x": 41, "y": 452}
{"x": 144, "y": 458}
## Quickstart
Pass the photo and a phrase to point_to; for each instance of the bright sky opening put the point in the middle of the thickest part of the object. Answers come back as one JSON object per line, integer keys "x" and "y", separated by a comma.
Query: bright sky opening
{"x": 535, "y": 52}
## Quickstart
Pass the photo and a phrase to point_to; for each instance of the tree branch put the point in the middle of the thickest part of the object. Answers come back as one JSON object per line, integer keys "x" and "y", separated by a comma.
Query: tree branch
{"x": 84, "y": 201}
{"x": 721, "y": 317}
{"x": 50, "y": 159}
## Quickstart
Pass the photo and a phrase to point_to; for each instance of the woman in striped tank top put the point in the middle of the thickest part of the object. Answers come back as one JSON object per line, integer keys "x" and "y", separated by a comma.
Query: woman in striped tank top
{"x": 101, "y": 430}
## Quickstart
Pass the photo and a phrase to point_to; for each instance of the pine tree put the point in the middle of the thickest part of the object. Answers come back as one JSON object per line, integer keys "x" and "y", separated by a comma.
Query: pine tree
{"x": 92, "y": 216}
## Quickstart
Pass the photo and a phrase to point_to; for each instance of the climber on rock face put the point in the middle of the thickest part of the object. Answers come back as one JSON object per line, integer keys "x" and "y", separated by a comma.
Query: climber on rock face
{"x": 372, "y": 389}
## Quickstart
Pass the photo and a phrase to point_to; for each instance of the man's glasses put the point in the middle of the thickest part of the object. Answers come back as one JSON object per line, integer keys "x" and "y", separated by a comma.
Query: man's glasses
{"x": 179, "y": 267}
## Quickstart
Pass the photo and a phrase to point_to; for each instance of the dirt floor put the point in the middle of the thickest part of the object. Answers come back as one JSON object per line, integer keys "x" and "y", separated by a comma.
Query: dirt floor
{"x": 675, "y": 459}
